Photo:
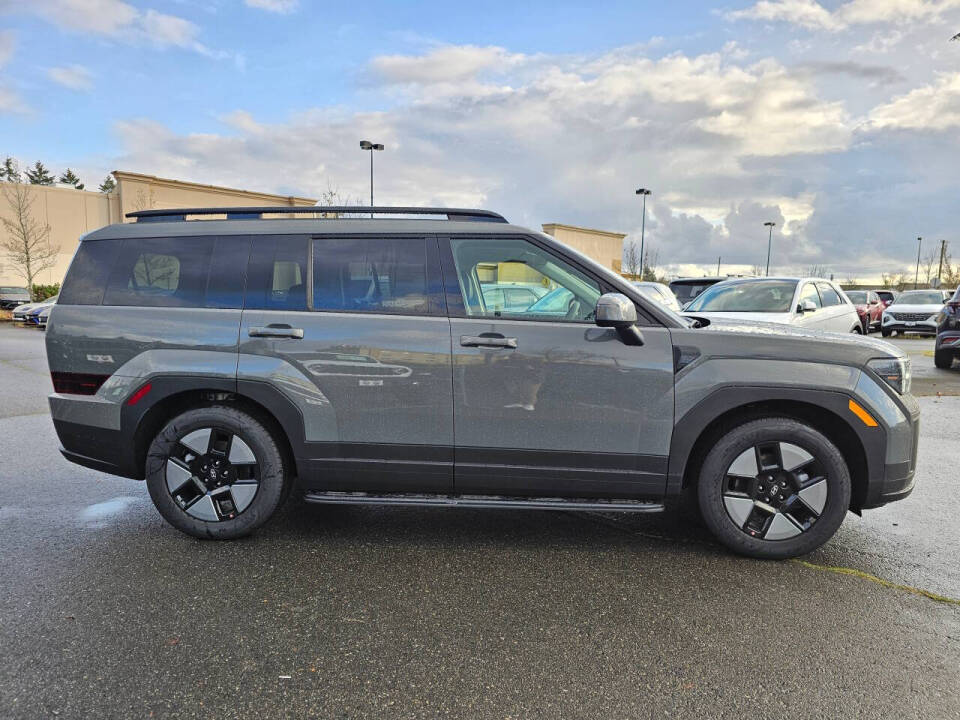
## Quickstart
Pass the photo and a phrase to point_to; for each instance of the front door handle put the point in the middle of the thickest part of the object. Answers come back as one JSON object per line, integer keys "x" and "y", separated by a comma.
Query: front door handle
{"x": 277, "y": 331}
{"x": 496, "y": 341}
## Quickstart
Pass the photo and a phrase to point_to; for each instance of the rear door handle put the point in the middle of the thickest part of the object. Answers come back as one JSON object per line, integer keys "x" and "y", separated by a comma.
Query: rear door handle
{"x": 486, "y": 341}
{"x": 277, "y": 331}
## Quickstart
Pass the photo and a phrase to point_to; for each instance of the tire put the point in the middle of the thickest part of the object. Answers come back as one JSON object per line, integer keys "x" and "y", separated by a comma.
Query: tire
{"x": 254, "y": 483}
{"x": 943, "y": 359}
{"x": 856, "y": 330}
{"x": 884, "y": 332}
{"x": 813, "y": 509}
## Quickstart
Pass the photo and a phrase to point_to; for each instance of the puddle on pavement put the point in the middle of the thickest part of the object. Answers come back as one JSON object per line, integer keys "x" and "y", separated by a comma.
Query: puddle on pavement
{"x": 97, "y": 515}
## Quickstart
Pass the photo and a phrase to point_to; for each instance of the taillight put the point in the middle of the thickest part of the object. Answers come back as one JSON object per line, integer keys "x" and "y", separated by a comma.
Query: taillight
{"x": 77, "y": 383}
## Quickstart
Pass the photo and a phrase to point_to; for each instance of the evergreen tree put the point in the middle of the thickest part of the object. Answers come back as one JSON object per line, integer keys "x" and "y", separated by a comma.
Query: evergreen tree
{"x": 39, "y": 175}
{"x": 108, "y": 185}
{"x": 10, "y": 171}
{"x": 68, "y": 178}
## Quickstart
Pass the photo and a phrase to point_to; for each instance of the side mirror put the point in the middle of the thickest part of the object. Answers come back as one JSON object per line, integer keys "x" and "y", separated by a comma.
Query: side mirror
{"x": 615, "y": 310}
{"x": 806, "y": 306}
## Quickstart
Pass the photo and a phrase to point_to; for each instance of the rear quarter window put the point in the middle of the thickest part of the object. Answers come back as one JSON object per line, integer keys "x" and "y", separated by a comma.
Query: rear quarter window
{"x": 87, "y": 277}
{"x": 160, "y": 272}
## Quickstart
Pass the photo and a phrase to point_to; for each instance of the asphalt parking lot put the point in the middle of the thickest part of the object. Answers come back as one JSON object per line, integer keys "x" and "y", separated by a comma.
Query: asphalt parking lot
{"x": 105, "y": 611}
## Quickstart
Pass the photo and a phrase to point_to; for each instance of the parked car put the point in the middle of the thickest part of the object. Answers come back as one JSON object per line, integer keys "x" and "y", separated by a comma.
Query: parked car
{"x": 802, "y": 302}
{"x": 869, "y": 307}
{"x": 948, "y": 333}
{"x": 511, "y": 296}
{"x": 914, "y": 311}
{"x": 20, "y": 312}
{"x": 887, "y": 296}
{"x": 686, "y": 289}
{"x": 32, "y": 315}
{"x": 195, "y": 355}
{"x": 658, "y": 292}
{"x": 11, "y": 297}
{"x": 43, "y": 316}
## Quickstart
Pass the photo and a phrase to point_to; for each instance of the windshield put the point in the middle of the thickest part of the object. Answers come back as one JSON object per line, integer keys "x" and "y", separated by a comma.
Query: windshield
{"x": 920, "y": 297}
{"x": 769, "y": 296}
{"x": 857, "y": 297}
{"x": 687, "y": 291}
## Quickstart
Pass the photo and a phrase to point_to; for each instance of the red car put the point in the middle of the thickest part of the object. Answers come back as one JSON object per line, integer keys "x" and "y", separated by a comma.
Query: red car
{"x": 887, "y": 296}
{"x": 869, "y": 307}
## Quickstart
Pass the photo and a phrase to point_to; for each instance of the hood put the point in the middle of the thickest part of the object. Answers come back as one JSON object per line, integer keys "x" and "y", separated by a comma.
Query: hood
{"x": 845, "y": 345}
{"x": 785, "y": 318}
{"x": 909, "y": 308}
{"x": 25, "y": 307}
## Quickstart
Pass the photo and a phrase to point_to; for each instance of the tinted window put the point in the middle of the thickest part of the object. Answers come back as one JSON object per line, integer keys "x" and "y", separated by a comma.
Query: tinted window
{"x": 160, "y": 272}
{"x": 750, "y": 296}
{"x": 228, "y": 272}
{"x": 859, "y": 297}
{"x": 571, "y": 295}
{"x": 277, "y": 273}
{"x": 387, "y": 275}
{"x": 87, "y": 277}
{"x": 920, "y": 297}
{"x": 829, "y": 295}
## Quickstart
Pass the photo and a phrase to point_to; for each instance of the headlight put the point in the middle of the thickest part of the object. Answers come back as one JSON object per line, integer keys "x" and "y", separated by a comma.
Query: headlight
{"x": 895, "y": 372}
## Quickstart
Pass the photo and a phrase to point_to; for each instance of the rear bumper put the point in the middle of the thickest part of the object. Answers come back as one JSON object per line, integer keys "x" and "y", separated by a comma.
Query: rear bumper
{"x": 97, "y": 448}
{"x": 949, "y": 340}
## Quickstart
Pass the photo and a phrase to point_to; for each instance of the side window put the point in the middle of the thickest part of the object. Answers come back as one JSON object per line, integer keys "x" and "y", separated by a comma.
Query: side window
{"x": 277, "y": 273}
{"x": 830, "y": 296}
{"x": 564, "y": 293}
{"x": 810, "y": 293}
{"x": 382, "y": 275}
{"x": 160, "y": 272}
{"x": 87, "y": 278}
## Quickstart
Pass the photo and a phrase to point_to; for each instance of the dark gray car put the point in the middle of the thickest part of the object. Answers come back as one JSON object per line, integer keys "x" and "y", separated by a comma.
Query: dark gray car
{"x": 229, "y": 361}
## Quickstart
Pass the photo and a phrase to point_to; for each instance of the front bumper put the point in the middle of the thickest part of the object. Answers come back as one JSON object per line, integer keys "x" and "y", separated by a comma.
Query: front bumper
{"x": 926, "y": 327}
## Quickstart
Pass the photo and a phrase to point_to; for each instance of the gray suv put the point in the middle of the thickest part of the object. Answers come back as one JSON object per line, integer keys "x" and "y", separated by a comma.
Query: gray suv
{"x": 230, "y": 360}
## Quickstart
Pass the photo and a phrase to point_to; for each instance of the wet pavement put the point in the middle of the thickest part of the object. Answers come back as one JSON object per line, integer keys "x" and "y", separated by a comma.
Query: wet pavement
{"x": 105, "y": 611}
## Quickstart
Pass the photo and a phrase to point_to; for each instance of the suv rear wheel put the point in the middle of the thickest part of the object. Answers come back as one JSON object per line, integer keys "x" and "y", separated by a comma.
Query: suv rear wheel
{"x": 774, "y": 488}
{"x": 216, "y": 472}
{"x": 943, "y": 359}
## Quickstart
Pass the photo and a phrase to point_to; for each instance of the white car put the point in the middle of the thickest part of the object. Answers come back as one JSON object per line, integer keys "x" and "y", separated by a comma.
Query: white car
{"x": 914, "y": 311}
{"x": 658, "y": 292}
{"x": 812, "y": 303}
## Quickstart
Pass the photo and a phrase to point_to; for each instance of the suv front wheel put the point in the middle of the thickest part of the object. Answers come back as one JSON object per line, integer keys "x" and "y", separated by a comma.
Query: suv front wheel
{"x": 774, "y": 488}
{"x": 215, "y": 472}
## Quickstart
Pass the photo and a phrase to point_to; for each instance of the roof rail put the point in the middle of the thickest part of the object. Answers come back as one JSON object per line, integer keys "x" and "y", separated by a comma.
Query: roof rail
{"x": 256, "y": 213}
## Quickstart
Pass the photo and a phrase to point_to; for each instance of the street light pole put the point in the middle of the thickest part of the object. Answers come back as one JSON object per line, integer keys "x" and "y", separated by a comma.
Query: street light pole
{"x": 769, "y": 243}
{"x": 643, "y": 225}
{"x": 916, "y": 277}
{"x": 367, "y": 145}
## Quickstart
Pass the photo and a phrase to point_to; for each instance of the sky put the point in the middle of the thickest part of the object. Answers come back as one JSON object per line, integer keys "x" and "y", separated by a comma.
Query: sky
{"x": 838, "y": 121}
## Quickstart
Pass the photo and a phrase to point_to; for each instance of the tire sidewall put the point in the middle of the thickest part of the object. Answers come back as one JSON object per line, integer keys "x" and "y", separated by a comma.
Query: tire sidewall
{"x": 743, "y": 437}
{"x": 270, "y": 492}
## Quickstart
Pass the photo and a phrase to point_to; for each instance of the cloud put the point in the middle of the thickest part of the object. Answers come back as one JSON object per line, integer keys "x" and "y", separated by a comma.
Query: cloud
{"x": 880, "y": 74}
{"x": 931, "y": 107}
{"x": 10, "y": 100}
{"x": 75, "y": 77}
{"x": 277, "y": 6}
{"x": 118, "y": 20}
{"x": 811, "y": 15}
{"x": 443, "y": 64}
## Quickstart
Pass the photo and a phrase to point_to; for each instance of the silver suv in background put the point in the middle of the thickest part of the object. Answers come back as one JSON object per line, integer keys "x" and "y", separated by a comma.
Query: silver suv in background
{"x": 230, "y": 361}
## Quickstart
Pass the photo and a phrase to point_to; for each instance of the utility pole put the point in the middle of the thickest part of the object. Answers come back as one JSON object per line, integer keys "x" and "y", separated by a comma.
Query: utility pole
{"x": 769, "y": 242}
{"x": 943, "y": 250}
{"x": 719, "y": 257}
{"x": 916, "y": 277}
{"x": 367, "y": 145}
{"x": 643, "y": 226}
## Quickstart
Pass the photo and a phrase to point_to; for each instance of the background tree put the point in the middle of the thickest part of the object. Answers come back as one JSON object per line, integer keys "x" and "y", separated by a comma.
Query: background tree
{"x": 108, "y": 184}
{"x": 10, "y": 171}
{"x": 39, "y": 175}
{"x": 631, "y": 259}
{"x": 25, "y": 241}
{"x": 757, "y": 270}
{"x": 819, "y": 271}
{"x": 68, "y": 178}
{"x": 650, "y": 263}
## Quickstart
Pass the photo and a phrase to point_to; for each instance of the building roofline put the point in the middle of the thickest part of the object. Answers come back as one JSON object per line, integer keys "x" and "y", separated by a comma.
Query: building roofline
{"x": 592, "y": 231}
{"x": 184, "y": 184}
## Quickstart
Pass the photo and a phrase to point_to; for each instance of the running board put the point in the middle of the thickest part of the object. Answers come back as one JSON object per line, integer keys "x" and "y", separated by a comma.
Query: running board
{"x": 480, "y": 501}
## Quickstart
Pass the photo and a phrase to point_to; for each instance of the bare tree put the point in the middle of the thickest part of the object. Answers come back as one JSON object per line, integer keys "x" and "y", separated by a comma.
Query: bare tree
{"x": 817, "y": 271}
{"x": 650, "y": 262}
{"x": 26, "y": 240}
{"x": 757, "y": 271}
{"x": 631, "y": 259}
{"x": 332, "y": 197}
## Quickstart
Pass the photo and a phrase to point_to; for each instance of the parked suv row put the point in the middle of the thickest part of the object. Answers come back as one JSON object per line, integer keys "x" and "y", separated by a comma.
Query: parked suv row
{"x": 228, "y": 361}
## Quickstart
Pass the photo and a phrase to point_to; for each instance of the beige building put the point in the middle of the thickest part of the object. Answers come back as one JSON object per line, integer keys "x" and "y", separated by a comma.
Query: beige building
{"x": 70, "y": 213}
{"x": 601, "y": 245}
